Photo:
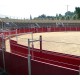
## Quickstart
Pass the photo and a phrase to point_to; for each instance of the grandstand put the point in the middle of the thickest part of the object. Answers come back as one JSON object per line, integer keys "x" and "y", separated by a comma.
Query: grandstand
{"x": 15, "y": 23}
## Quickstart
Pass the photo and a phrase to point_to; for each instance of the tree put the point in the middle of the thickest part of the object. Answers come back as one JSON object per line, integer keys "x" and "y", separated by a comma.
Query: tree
{"x": 43, "y": 16}
{"x": 77, "y": 11}
{"x": 74, "y": 17}
{"x": 7, "y": 17}
{"x": 69, "y": 15}
{"x": 57, "y": 17}
{"x": 50, "y": 17}
{"x": 62, "y": 18}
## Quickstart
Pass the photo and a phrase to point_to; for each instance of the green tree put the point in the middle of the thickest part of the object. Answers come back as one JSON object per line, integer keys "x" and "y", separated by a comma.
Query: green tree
{"x": 60, "y": 16}
{"x": 69, "y": 15}
{"x": 7, "y": 17}
{"x": 74, "y": 17}
{"x": 77, "y": 11}
{"x": 57, "y": 16}
{"x": 43, "y": 16}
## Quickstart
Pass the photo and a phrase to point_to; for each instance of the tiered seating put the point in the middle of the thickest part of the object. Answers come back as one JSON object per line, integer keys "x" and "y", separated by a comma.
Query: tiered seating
{"x": 13, "y": 25}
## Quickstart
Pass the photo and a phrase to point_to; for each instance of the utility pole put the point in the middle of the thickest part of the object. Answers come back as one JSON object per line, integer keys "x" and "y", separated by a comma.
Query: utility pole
{"x": 67, "y": 8}
{"x": 67, "y": 14}
{"x": 30, "y": 17}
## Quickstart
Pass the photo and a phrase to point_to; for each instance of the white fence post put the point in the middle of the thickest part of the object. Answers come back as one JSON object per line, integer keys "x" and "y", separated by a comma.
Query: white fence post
{"x": 29, "y": 55}
{"x": 16, "y": 36}
{"x": 3, "y": 51}
{"x": 29, "y": 58}
{"x": 32, "y": 47}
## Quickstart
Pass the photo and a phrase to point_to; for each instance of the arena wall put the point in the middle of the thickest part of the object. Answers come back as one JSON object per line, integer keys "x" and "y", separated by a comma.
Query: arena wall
{"x": 17, "y": 65}
{"x": 45, "y": 62}
{"x": 38, "y": 30}
{"x": 47, "y": 56}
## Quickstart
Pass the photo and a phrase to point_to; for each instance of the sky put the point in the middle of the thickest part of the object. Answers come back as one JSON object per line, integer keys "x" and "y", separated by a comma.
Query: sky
{"x": 25, "y": 8}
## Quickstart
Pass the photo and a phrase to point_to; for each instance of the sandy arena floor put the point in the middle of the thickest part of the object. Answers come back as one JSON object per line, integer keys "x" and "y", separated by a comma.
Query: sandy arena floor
{"x": 64, "y": 42}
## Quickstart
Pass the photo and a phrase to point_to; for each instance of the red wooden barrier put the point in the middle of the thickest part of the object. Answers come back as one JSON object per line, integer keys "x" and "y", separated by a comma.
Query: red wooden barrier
{"x": 1, "y": 59}
{"x": 52, "y": 29}
{"x": 56, "y": 29}
{"x": 21, "y": 30}
{"x": 18, "y": 49}
{"x": 41, "y": 68}
{"x": 12, "y": 32}
{"x": 27, "y": 30}
{"x": 73, "y": 28}
{"x": 6, "y": 33}
{"x": 78, "y": 28}
{"x": 65, "y": 61}
{"x": 68, "y": 29}
{"x": 48, "y": 57}
{"x": 44, "y": 30}
{"x": 39, "y": 30}
{"x": 32, "y": 30}
{"x": 62, "y": 29}
{"x": 18, "y": 65}
{"x": 15, "y": 64}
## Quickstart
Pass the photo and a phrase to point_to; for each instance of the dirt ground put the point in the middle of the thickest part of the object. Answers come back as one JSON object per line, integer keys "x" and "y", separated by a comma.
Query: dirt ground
{"x": 64, "y": 42}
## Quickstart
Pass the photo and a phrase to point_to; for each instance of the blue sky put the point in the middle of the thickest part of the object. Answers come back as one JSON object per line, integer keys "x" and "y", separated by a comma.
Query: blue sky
{"x": 23, "y": 8}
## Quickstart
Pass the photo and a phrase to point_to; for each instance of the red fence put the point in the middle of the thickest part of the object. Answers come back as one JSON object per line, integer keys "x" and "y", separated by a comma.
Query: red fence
{"x": 18, "y": 65}
{"x": 42, "y": 29}
{"x": 14, "y": 64}
{"x": 41, "y": 68}
{"x": 18, "y": 49}
{"x": 54, "y": 58}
